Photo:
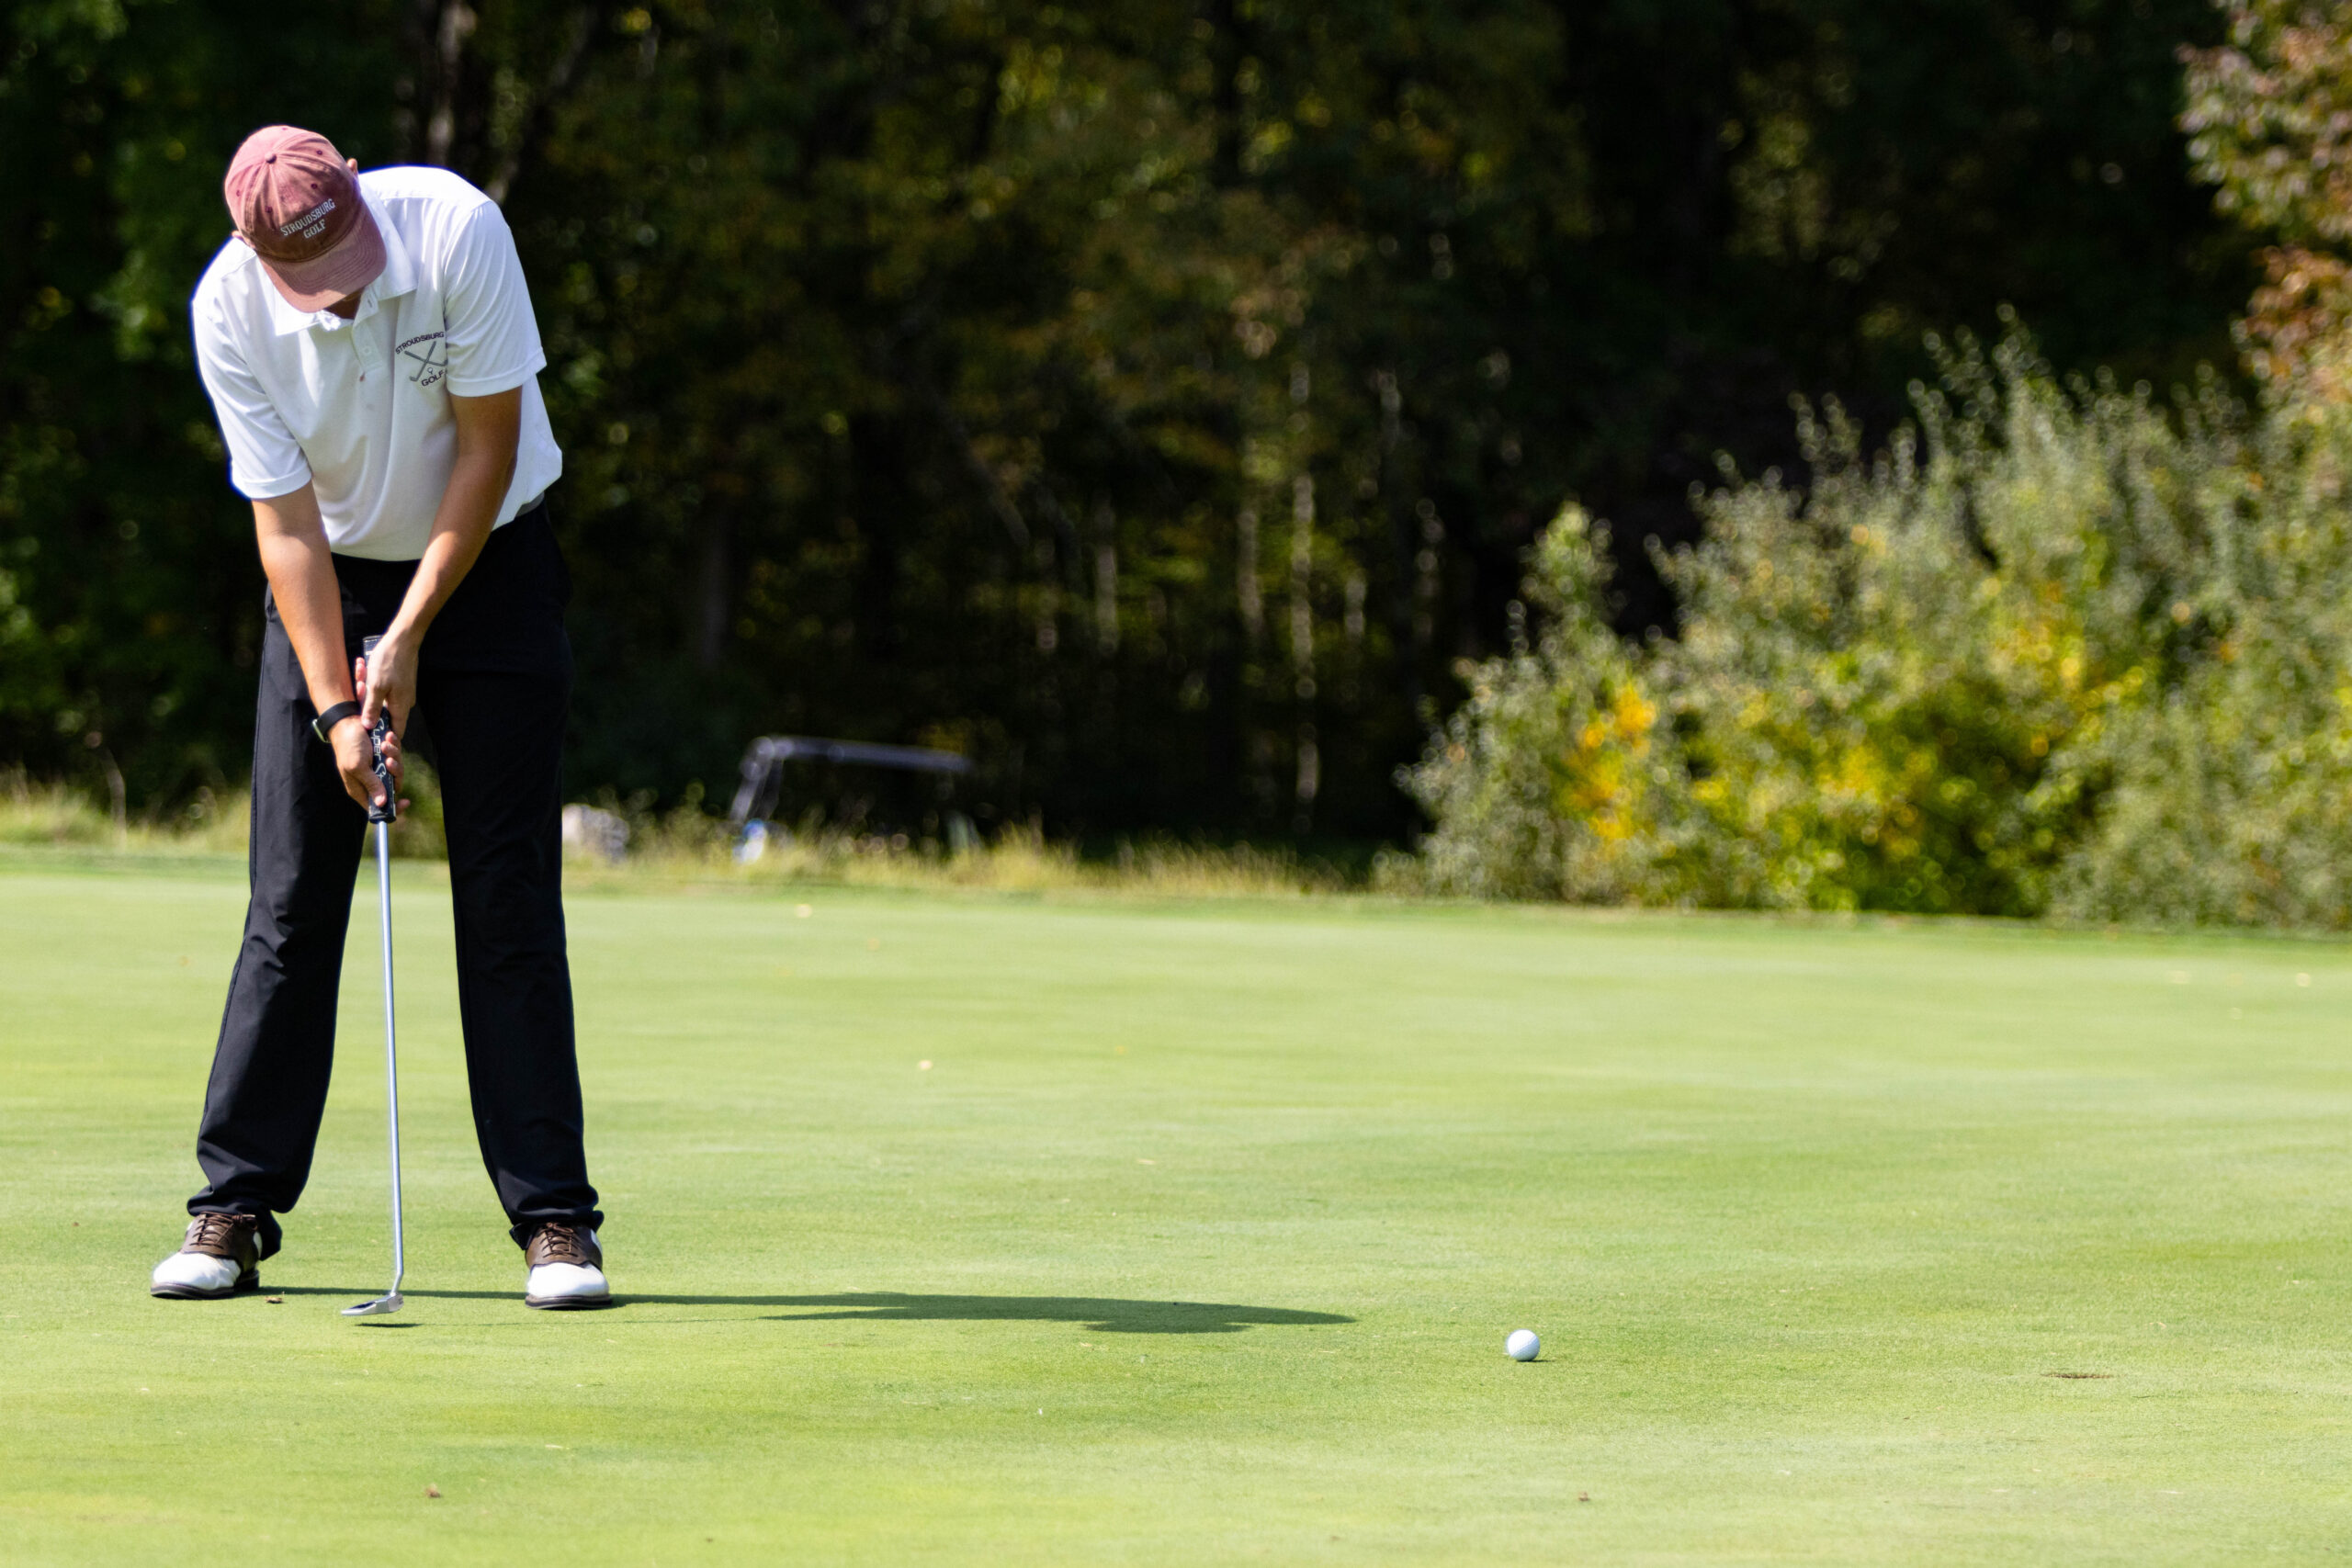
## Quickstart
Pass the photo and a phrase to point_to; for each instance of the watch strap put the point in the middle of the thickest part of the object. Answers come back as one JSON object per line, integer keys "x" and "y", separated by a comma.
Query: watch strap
{"x": 324, "y": 726}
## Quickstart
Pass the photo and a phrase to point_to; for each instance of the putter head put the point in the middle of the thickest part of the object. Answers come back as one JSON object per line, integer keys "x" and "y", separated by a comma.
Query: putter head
{"x": 376, "y": 1308}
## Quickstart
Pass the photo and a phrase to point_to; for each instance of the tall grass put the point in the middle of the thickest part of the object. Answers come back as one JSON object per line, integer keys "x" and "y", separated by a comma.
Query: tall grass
{"x": 687, "y": 845}
{"x": 55, "y": 816}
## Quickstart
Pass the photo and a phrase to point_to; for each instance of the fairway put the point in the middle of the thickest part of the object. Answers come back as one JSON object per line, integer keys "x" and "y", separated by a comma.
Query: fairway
{"x": 1197, "y": 1239}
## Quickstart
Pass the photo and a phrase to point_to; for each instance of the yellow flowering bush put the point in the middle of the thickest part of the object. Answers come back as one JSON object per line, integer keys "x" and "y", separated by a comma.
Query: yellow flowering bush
{"x": 1554, "y": 780}
{"x": 2056, "y": 648}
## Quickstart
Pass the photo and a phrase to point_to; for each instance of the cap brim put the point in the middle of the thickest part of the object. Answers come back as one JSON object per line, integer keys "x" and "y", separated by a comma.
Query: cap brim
{"x": 349, "y": 268}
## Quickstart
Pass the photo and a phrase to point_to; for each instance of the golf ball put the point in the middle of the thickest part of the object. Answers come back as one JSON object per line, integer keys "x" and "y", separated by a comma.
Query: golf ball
{"x": 1522, "y": 1345}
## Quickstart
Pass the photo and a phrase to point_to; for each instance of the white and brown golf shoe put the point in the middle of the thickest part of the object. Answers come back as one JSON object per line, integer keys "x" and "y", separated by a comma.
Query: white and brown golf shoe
{"x": 220, "y": 1256}
{"x": 567, "y": 1268}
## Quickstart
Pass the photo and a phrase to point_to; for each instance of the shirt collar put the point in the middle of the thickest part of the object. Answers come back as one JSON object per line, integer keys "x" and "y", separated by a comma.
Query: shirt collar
{"x": 398, "y": 277}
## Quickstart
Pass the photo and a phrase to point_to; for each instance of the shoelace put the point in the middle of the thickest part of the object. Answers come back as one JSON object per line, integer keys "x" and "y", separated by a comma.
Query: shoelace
{"x": 562, "y": 1244}
{"x": 215, "y": 1230}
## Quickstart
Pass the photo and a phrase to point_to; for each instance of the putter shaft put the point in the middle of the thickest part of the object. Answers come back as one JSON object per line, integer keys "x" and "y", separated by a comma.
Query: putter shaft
{"x": 391, "y": 1049}
{"x": 390, "y": 1299}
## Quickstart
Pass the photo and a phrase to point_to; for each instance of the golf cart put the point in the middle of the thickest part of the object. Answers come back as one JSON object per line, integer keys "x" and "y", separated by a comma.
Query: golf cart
{"x": 752, "y": 815}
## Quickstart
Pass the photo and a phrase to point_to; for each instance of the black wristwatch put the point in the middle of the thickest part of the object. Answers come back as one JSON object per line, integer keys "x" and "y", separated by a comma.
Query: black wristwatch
{"x": 324, "y": 726}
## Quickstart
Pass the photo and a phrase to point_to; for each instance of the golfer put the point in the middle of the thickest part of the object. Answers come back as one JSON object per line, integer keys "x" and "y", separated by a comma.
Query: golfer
{"x": 368, "y": 345}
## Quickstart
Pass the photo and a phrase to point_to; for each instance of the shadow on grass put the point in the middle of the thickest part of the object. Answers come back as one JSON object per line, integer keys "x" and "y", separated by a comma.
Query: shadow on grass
{"x": 1102, "y": 1314}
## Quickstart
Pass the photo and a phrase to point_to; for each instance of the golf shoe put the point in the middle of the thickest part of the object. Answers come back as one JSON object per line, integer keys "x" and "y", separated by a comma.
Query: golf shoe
{"x": 220, "y": 1256}
{"x": 567, "y": 1268}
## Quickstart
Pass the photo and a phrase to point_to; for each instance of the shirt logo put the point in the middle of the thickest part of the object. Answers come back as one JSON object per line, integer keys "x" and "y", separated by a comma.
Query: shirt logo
{"x": 428, "y": 352}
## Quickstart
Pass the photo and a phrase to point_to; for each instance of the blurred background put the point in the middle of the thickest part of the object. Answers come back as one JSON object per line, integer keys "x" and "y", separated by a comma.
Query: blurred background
{"x": 1161, "y": 402}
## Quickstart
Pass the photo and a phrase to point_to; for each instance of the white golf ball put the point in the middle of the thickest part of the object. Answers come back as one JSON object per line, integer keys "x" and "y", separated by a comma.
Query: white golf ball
{"x": 1523, "y": 1345}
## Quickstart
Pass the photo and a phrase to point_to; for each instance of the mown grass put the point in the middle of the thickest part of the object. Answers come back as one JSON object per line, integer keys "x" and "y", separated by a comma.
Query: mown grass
{"x": 954, "y": 1226}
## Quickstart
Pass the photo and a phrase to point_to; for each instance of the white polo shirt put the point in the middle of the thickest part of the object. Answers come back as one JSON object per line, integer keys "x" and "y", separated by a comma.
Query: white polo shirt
{"x": 360, "y": 408}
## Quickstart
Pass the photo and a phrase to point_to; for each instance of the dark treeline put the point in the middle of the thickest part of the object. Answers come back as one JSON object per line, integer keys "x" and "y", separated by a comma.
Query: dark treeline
{"x": 1153, "y": 398}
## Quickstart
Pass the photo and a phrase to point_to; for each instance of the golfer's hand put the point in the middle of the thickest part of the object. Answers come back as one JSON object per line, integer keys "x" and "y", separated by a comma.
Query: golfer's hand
{"x": 355, "y": 757}
{"x": 394, "y": 688}
{"x": 355, "y": 760}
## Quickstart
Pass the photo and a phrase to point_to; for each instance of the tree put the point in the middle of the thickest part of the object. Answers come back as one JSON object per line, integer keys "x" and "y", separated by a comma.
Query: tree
{"x": 2270, "y": 119}
{"x": 1155, "y": 398}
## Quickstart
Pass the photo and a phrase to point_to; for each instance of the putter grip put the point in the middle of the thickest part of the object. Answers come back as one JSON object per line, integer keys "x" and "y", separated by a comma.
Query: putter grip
{"x": 390, "y": 810}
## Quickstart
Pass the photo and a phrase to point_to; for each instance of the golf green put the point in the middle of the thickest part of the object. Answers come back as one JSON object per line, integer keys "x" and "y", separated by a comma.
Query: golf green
{"x": 957, "y": 1228}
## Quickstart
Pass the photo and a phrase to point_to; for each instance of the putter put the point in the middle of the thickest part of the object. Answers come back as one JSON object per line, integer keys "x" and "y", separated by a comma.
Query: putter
{"x": 382, "y": 816}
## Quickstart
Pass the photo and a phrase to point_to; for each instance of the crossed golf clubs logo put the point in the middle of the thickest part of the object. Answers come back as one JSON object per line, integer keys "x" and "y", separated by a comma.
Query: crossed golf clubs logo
{"x": 431, "y": 355}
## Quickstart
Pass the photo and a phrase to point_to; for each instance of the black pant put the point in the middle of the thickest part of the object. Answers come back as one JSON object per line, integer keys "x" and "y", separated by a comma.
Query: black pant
{"x": 494, "y": 681}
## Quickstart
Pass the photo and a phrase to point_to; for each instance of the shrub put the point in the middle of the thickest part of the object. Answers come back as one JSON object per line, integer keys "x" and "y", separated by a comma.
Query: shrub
{"x": 1554, "y": 781}
{"x": 2056, "y": 648}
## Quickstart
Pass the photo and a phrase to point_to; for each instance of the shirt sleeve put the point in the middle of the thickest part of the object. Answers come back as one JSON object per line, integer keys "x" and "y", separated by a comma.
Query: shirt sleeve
{"x": 264, "y": 460}
{"x": 493, "y": 339}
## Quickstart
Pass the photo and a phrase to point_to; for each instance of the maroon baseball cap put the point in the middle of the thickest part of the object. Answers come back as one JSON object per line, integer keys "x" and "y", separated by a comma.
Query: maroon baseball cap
{"x": 296, "y": 203}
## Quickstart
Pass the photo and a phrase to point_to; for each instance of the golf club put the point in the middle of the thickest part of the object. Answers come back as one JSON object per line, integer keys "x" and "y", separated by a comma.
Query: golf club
{"x": 382, "y": 816}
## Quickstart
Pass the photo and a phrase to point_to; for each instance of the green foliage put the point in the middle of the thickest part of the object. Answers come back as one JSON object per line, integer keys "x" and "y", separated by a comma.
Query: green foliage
{"x": 129, "y": 593}
{"x": 2269, "y": 117}
{"x": 1150, "y": 399}
{"x": 1555, "y": 779}
{"x": 2056, "y": 648}
{"x": 2230, "y": 792}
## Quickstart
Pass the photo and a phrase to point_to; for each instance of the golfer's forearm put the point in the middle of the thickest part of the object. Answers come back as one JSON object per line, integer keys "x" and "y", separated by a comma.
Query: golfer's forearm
{"x": 468, "y": 508}
{"x": 310, "y": 603}
{"x": 487, "y": 430}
